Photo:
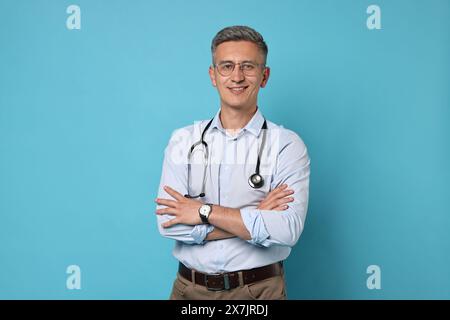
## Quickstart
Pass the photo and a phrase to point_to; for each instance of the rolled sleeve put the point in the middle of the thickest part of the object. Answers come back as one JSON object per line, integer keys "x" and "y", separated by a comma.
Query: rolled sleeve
{"x": 200, "y": 232}
{"x": 254, "y": 223}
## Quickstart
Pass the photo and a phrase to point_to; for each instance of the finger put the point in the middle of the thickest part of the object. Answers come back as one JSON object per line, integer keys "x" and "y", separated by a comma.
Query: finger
{"x": 269, "y": 205}
{"x": 281, "y": 208}
{"x": 262, "y": 206}
{"x": 170, "y": 223}
{"x": 281, "y": 187}
{"x": 272, "y": 193}
{"x": 281, "y": 195}
{"x": 271, "y": 196}
{"x": 282, "y": 201}
{"x": 276, "y": 191}
{"x": 166, "y": 202}
{"x": 274, "y": 203}
{"x": 284, "y": 194}
{"x": 170, "y": 211}
{"x": 176, "y": 195}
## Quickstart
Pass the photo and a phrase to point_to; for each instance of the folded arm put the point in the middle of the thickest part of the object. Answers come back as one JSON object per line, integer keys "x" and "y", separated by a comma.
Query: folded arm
{"x": 267, "y": 226}
{"x": 174, "y": 174}
{"x": 276, "y": 200}
{"x": 261, "y": 226}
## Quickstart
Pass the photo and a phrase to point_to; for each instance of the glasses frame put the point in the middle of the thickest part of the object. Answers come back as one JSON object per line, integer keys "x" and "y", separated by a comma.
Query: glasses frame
{"x": 258, "y": 65}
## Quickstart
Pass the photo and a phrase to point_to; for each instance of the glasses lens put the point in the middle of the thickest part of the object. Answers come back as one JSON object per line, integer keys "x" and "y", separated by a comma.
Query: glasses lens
{"x": 225, "y": 68}
{"x": 248, "y": 68}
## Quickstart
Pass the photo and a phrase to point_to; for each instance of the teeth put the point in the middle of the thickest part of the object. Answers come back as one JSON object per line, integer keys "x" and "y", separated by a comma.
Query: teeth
{"x": 237, "y": 89}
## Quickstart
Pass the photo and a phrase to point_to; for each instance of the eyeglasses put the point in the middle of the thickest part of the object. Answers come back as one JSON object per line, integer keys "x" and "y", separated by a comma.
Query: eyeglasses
{"x": 248, "y": 68}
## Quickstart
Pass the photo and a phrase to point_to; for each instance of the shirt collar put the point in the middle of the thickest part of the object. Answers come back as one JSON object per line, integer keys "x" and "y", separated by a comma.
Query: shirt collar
{"x": 253, "y": 126}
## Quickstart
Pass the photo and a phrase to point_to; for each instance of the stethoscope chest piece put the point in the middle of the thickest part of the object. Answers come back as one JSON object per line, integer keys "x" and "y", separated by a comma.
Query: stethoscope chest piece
{"x": 256, "y": 181}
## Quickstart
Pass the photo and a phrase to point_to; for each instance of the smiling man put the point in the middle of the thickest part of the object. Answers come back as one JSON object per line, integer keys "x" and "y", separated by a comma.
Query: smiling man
{"x": 234, "y": 189}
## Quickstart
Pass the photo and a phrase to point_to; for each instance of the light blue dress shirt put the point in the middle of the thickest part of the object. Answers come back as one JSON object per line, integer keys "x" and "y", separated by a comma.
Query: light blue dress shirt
{"x": 232, "y": 160}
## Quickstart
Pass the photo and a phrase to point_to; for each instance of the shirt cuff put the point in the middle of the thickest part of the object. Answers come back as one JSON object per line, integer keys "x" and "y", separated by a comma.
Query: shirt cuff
{"x": 200, "y": 232}
{"x": 254, "y": 223}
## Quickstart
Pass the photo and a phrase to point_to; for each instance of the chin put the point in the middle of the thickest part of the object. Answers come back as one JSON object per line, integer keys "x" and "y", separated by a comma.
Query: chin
{"x": 236, "y": 105}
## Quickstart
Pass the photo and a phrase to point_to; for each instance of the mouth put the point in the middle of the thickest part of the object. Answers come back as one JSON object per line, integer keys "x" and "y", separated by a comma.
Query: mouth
{"x": 238, "y": 89}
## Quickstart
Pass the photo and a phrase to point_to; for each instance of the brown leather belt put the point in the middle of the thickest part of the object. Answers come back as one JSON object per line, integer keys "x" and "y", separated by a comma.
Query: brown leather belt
{"x": 230, "y": 280}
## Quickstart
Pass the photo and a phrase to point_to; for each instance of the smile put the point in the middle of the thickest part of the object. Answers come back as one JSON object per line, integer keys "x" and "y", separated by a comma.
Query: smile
{"x": 238, "y": 90}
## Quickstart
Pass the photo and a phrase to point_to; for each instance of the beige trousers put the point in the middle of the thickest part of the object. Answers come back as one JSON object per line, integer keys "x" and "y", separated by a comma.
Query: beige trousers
{"x": 273, "y": 288}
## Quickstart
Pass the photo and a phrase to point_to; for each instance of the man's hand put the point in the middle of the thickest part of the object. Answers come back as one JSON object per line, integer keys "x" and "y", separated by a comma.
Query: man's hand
{"x": 277, "y": 199}
{"x": 185, "y": 210}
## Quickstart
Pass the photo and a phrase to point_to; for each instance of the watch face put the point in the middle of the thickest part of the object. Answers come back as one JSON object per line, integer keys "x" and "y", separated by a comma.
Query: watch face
{"x": 204, "y": 210}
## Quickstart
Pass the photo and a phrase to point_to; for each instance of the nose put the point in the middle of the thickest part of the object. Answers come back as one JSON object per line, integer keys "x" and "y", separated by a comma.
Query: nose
{"x": 237, "y": 75}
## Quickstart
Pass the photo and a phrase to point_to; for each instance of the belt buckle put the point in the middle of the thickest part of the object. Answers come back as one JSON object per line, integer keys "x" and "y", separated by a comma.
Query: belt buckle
{"x": 226, "y": 283}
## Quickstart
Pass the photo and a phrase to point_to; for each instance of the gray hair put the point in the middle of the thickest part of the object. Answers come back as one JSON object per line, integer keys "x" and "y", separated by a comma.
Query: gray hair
{"x": 239, "y": 33}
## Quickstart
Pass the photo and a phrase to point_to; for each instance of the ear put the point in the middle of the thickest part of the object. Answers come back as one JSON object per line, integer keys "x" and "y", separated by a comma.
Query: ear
{"x": 212, "y": 76}
{"x": 265, "y": 78}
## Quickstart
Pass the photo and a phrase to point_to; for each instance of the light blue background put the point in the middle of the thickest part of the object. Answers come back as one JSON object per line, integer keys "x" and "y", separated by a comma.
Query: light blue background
{"x": 85, "y": 116}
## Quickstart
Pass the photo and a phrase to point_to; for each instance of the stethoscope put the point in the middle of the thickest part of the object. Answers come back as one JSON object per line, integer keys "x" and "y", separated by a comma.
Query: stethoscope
{"x": 255, "y": 181}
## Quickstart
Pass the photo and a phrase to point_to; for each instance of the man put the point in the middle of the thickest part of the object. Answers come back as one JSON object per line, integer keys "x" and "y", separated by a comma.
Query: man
{"x": 228, "y": 184}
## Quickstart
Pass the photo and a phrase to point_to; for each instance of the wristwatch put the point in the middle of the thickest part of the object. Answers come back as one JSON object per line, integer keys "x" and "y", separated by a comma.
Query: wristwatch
{"x": 205, "y": 211}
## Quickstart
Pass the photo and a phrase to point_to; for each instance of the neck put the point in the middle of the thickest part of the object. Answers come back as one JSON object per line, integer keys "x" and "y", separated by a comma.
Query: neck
{"x": 235, "y": 119}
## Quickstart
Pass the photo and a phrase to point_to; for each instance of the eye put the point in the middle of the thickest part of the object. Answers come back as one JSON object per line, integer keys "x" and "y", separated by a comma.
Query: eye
{"x": 226, "y": 66}
{"x": 248, "y": 66}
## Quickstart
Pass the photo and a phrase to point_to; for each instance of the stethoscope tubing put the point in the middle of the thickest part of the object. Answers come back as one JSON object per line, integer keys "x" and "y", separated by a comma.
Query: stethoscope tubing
{"x": 255, "y": 181}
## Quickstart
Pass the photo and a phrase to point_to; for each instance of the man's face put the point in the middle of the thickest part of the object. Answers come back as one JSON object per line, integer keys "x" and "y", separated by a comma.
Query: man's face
{"x": 239, "y": 90}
